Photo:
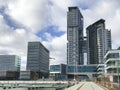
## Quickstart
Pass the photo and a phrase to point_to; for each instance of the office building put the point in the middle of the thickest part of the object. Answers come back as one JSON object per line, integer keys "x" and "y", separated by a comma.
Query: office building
{"x": 82, "y": 72}
{"x": 74, "y": 36}
{"x": 10, "y": 63}
{"x": 70, "y": 72}
{"x": 112, "y": 65}
{"x": 100, "y": 70}
{"x": 9, "y": 67}
{"x": 98, "y": 42}
{"x": 38, "y": 59}
{"x": 9, "y": 75}
{"x": 58, "y": 72}
{"x": 29, "y": 75}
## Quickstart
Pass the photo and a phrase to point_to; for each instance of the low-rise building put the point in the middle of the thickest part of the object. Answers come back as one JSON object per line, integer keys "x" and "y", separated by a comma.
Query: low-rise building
{"x": 9, "y": 75}
{"x": 58, "y": 72}
{"x": 71, "y": 72}
{"x": 10, "y": 62}
{"x": 9, "y": 67}
{"x": 82, "y": 72}
{"x": 100, "y": 70}
{"x": 29, "y": 75}
{"x": 112, "y": 65}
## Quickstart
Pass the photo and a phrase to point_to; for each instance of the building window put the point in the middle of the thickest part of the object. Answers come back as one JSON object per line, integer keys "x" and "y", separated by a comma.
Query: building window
{"x": 113, "y": 55}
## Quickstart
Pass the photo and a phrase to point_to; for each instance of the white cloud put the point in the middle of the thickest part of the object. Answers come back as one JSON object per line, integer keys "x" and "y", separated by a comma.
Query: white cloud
{"x": 57, "y": 47}
{"x": 3, "y": 3}
{"x": 59, "y": 13}
{"x": 38, "y": 14}
{"x": 115, "y": 28}
{"x": 33, "y": 14}
{"x": 14, "y": 41}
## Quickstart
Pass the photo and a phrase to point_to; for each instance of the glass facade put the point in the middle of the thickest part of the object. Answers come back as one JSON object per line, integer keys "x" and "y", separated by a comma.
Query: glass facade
{"x": 10, "y": 62}
{"x": 113, "y": 70}
{"x": 71, "y": 69}
{"x": 37, "y": 57}
{"x": 58, "y": 72}
{"x": 112, "y": 61}
{"x": 58, "y": 68}
{"x": 74, "y": 36}
{"x": 99, "y": 42}
{"x": 112, "y": 55}
{"x": 55, "y": 68}
{"x": 61, "y": 76}
{"x": 81, "y": 69}
{"x": 112, "y": 58}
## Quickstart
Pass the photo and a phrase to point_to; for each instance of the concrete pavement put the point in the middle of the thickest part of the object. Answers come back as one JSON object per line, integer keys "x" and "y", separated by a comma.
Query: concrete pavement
{"x": 86, "y": 86}
{"x": 91, "y": 86}
{"x": 75, "y": 87}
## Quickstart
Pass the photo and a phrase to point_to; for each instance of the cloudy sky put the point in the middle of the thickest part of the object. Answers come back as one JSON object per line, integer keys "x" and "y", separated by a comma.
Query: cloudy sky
{"x": 45, "y": 20}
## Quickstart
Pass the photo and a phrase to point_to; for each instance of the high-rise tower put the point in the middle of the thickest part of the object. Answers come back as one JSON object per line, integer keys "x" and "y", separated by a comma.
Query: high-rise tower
{"x": 98, "y": 42}
{"x": 74, "y": 36}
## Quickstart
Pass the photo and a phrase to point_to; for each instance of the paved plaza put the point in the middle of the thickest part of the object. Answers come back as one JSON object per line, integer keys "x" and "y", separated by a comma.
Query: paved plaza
{"x": 86, "y": 86}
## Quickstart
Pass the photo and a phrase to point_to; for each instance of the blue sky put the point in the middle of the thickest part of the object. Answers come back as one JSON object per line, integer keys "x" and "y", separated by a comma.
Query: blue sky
{"x": 52, "y": 30}
{"x": 46, "y": 21}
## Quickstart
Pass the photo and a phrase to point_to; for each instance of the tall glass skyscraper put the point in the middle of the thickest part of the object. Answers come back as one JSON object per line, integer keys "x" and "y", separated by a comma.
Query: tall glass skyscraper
{"x": 74, "y": 36}
{"x": 98, "y": 42}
